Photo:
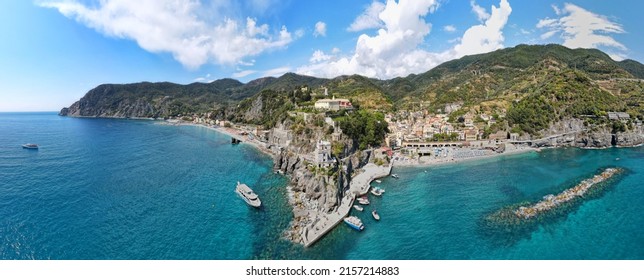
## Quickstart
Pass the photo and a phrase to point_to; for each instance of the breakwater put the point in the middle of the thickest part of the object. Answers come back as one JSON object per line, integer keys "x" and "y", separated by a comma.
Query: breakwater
{"x": 550, "y": 201}
{"x": 526, "y": 215}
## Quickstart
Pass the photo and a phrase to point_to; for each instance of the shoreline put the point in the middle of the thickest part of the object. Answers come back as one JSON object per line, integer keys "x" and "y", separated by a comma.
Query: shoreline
{"x": 435, "y": 161}
{"x": 228, "y": 131}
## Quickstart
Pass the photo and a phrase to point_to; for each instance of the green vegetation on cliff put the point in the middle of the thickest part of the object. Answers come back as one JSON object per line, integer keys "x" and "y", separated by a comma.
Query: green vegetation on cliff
{"x": 567, "y": 94}
{"x": 366, "y": 128}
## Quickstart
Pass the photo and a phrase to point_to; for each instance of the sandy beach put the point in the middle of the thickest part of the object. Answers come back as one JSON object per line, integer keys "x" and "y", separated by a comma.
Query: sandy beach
{"x": 232, "y": 132}
{"x": 456, "y": 155}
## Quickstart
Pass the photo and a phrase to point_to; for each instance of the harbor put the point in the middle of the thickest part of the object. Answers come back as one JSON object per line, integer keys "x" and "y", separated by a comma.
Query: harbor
{"x": 325, "y": 222}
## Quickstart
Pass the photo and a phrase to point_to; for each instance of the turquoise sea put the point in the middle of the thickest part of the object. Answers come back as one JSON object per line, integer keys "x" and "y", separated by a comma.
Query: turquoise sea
{"x": 129, "y": 189}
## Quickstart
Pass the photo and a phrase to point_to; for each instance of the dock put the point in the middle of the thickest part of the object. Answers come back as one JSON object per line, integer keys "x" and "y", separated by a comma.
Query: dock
{"x": 360, "y": 184}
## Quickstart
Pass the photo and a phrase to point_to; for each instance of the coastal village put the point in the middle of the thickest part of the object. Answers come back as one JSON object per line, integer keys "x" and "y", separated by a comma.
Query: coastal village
{"x": 414, "y": 138}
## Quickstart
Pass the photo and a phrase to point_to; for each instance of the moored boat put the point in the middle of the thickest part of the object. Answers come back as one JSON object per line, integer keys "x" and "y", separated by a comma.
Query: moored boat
{"x": 354, "y": 222}
{"x": 358, "y": 207}
{"x": 248, "y": 195}
{"x": 394, "y": 176}
{"x": 30, "y": 146}
{"x": 377, "y": 191}
{"x": 363, "y": 200}
{"x": 375, "y": 215}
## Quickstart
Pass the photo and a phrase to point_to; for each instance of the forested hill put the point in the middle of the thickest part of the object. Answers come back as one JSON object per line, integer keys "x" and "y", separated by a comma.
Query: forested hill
{"x": 497, "y": 79}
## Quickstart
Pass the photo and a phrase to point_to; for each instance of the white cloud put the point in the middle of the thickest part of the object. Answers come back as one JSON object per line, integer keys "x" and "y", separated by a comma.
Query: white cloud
{"x": 548, "y": 34}
{"x": 485, "y": 37}
{"x": 449, "y": 28}
{"x": 320, "y": 29}
{"x": 205, "y": 79}
{"x": 580, "y": 28}
{"x": 319, "y": 56}
{"x": 369, "y": 19}
{"x": 556, "y": 9}
{"x": 524, "y": 32}
{"x": 392, "y": 52}
{"x": 480, "y": 12}
{"x": 276, "y": 72}
{"x": 617, "y": 56}
{"x": 299, "y": 33}
{"x": 179, "y": 27}
{"x": 243, "y": 73}
{"x": 396, "y": 50}
{"x": 246, "y": 63}
{"x": 335, "y": 51}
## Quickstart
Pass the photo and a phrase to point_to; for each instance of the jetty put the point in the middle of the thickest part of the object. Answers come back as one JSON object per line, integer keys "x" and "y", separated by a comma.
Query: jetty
{"x": 552, "y": 201}
{"x": 359, "y": 186}
{"x": 526, "y": 216}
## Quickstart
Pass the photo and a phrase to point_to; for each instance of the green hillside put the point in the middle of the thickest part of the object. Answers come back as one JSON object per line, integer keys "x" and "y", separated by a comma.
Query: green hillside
{"x": 529, "y": 82}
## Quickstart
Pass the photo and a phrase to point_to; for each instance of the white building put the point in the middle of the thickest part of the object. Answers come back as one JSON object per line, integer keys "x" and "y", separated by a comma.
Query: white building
{"x": 333, "y": 104}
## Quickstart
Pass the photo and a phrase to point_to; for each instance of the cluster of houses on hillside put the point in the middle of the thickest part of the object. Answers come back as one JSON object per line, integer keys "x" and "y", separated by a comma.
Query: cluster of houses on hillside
{"x": 419, "y": 126}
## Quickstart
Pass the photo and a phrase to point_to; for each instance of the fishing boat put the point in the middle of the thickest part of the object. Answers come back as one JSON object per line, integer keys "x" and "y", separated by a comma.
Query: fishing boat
{"x": 358, "y": 207}
{"x": 30, "y": 146}
{"x": 375, "y": 215}
{"x": 394, "y": 176}
{"x": 354, "y": 222}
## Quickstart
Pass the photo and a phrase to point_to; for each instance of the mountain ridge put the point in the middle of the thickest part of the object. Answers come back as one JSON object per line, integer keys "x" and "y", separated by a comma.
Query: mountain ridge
{"x": 500, "y": 76}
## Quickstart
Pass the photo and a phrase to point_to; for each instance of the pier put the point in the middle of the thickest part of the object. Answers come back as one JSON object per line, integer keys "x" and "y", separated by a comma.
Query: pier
{"x": 360, "y": 185}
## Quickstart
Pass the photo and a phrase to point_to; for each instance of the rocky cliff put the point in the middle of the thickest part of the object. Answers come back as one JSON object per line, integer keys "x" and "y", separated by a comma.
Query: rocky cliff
{"x": 574, "y": 133}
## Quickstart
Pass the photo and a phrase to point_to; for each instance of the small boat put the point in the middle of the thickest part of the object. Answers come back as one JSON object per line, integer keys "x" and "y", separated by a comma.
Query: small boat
{"x": 30, "y": 146}
{"x": 358, "y": 207}
{"x": 354, "y": 222}
{"x": 376, "y": 191}
{"x": 248, "y": 195}
{"x": 378, "y": 181}
{"x": 375, "y": 215}
{"x": 363, "y": 200}
{"x": 394, "y": 176}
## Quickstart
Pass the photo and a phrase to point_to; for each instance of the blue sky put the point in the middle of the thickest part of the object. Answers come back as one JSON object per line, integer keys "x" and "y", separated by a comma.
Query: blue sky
{"x": 54, "y": 51}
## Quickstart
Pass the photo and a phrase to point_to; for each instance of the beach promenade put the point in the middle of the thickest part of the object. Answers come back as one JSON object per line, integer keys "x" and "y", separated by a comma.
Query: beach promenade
{"x": 325, "y": 222}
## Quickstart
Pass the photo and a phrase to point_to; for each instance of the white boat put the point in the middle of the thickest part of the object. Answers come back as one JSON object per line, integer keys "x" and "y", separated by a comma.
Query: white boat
{"x": 248, "y": 195}
{"x": 377, "y": 191}
{"x": 354, "y": 222}
{"x": 30, "y": 146}
{"x": 394, "y": 176}
{"x": 375, "y": 215}
{"x": 363, "y": 200}
{"x": 378, "y": 181}
{"x": 358, "y": 207}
